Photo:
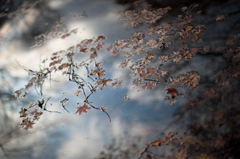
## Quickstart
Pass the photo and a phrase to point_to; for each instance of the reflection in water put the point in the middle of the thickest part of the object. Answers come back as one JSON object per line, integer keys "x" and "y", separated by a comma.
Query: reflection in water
{"x": 169, "y": 54}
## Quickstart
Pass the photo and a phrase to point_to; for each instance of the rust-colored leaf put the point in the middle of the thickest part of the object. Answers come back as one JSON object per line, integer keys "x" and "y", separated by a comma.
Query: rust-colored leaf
{"x": 188, "y": 28}
{"x": 117, "y": 83}
{"x": 167, "y": 26}
{"x": 156, "y": 143}
{"x": 152, "y": 69}
{"x": 143, "y": 75}
{"x": 29, "y": 125}
{"x": 82, "y": 109}
{"x": 172, "y": 91}
{"x": 63, "y": 66}
{"x": 29, "y": 85}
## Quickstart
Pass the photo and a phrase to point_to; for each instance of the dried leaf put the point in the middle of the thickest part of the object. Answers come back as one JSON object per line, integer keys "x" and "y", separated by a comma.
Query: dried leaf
{"x": 177, "y": 59}
{"x": 143, "y": 62}
{"x": 149, "y": 56}
{"x": 93, "y": 55}
{"x": 164, "y": 58}
{"x": 77, "y": 93}
{"x": 125, "y": 63}
{"x": 82, "y": 109}
{"x": 156, "y": 143}
{"x": 220, "y": 17}
{"x": 63, "y": 66}
{"x": 65, "y": 100}
{"x": 172, "y": 91}
{"x": 152, "y": 69}
{"x": 181, "y": 154}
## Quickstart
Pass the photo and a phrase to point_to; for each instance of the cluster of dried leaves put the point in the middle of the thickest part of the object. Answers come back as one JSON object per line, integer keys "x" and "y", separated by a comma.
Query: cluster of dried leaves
{"x": 58, "y": 31}
{"x": 212, "y": 127}
{"x": 20, "y": 11}
{"x": 146, "y": 16}
{"x": 64, "y": 61}
{"x": 30, "y": 113}
{"x": 180, "y": 35}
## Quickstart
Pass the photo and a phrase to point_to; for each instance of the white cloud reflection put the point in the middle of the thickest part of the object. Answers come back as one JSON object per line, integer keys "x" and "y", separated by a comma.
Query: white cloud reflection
{"x": 87, "y": 137}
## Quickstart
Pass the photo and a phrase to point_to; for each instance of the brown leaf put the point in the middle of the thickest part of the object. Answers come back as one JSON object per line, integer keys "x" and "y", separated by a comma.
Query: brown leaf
{"x": 188, "y": 28}
{"x": 230, "y": 42}
{"x": 93, "y": 55}
{"x": 149, "y": 56}
{"x": 77, "y": 93}
{"x": 187, "y": 140}
{"x": 84, "y": 50}
{"x": 143, "y": 75}
{"x": 100, "y": 37}
{"x": 65, "y": 100}
{"x": 125, "y": 63}
{"x": 101, "y": 73}
{"x": 29, "y": 85}
{"x": 70, "y": 48}
{"x": 181, "y": 154}
{"x": 192, "y": 74}
{"x": 63, "y": 66}
{"x": 82, "y": 109}
{"x": 218, "y": 142}
{"x": 203, "y": 156}
{"x": 150, "y": 85}
{"x": 164, "y": 73}
{"x": 206, "y": 48}
{"x": 173, "y": 101}
{"x": 116, "y": 83}
{"x": 177, "y": 59}
{"x": 169, "y": 137}
{"x": 29, "y": 125}
{"x": 184, "y": 53}
{"x": 167, "y": 26}
{"x": 94, "y": 72}
{"x": 220, "y": 17}
{"x": 156, "y": 143}
{"x": 25, "y": 122}
{"x": 172, "y": 91}
{"x": 164, "y": 58}
{"x": 98, "y": 64}
{"x": 143, "y": 62}
{"x": 152, "y": 69}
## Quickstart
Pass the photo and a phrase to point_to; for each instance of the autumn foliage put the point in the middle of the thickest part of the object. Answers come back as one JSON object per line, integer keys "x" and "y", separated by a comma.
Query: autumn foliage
{"x": 146, "y": 53}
